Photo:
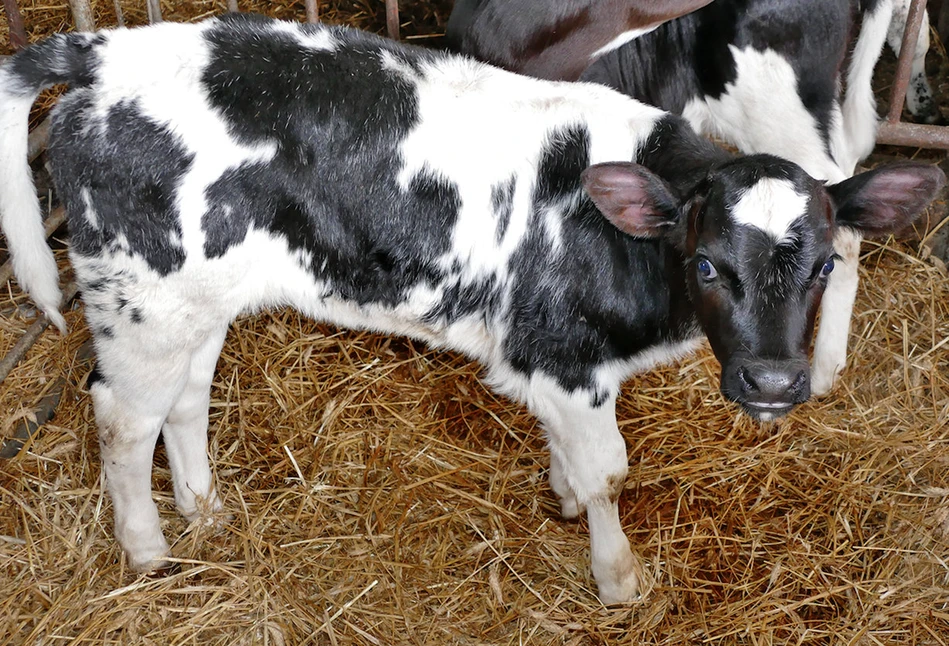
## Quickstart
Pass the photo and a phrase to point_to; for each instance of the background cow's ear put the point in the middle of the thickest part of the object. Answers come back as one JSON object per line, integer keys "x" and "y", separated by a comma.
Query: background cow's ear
{"x": 635, "y": 200}
{"x": 886, "y": 199}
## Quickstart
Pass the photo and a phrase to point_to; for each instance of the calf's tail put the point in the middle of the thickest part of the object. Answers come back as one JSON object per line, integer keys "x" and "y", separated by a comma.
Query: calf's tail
{"x": 64, "y": 58}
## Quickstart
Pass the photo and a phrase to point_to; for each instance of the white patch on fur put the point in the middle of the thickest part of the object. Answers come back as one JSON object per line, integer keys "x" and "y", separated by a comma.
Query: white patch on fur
{"x": 622, "y": 39}
{"x": 611, "y": 375}
{"x": 772, "y": 205}
{"x": 91, "y": 216}
{"x": 761, "y": 112}
{"x": 320, "y": 40}
{"x": 858, "y": 135}
{"x": 523, "y": 114}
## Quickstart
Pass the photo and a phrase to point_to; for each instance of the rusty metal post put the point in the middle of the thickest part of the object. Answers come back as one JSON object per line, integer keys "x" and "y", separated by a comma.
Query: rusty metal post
{"x": 892, "y": 131}
{"x": 312, "y": 11}
{"x": 15, "y": 22}
{"x": 392, "y": 18}
{"x": 907, "y": 51}
{"x": 914, "y": 134}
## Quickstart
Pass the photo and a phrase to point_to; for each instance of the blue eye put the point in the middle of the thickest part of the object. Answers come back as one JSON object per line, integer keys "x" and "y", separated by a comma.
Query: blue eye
{"x": 706, "y": 269}
{"x": 827, "y": 268}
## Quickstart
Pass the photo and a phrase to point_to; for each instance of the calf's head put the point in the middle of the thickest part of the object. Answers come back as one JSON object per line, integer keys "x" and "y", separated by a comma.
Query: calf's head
{"x": 757, "y": 236}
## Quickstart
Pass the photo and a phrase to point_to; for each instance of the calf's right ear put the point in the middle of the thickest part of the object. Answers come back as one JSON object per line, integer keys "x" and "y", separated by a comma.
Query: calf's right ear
{"x": 632, "y": 198}
{"x": 888, "y": 198}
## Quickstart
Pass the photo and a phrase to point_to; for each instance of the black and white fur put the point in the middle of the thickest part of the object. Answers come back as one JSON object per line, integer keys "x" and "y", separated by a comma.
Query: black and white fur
{"x": 765, "y": 75}
{"x": 564, "y": 235}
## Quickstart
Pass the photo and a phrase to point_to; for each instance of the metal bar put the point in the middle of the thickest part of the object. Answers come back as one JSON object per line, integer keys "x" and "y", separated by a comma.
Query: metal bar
{"x": 119, "y": 14}
{"x": 53, "y": 222}
{"x": 82, "y": 15}
{"x": 913, "y": 134}
{"x": 27, "y": 428}
{"x": 25, "y": 342}
{"x": 45, "y": 410}
{"x": 312, "y": 11}
{"x": 15, "y": 21}
{"x": 392, "y": 18}
{"x": 153, "y": 7}
{"x": 914, "y": 21}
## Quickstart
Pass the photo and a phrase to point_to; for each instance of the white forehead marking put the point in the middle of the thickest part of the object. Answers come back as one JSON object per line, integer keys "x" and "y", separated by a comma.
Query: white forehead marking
{"x": 771, "y": 205}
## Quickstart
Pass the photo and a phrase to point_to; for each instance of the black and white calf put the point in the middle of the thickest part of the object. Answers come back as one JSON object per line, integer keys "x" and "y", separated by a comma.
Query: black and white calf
{"x": 563, "y": 234}
{"x": 765, "y": 75}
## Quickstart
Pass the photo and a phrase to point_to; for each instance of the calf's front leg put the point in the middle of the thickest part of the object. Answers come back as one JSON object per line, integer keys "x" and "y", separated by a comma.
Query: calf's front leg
{"x": 588, "y": 471}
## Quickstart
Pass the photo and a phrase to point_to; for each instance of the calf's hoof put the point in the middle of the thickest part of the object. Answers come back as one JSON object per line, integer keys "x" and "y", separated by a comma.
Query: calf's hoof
{"x": 207, "y": 512}
{"x": 620, "y": 584}
{"x": 154, "y": 561}
{"x": 823, "y": 380}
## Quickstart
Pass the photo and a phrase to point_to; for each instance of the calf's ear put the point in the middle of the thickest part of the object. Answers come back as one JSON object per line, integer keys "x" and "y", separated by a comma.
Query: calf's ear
{"x": 631, "y": 197}
{"x": 886, "y": 199}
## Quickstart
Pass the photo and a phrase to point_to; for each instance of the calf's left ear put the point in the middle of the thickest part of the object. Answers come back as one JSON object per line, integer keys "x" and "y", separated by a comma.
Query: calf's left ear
{"x": 635, "y": 200}
{"x": 886, "y": 199}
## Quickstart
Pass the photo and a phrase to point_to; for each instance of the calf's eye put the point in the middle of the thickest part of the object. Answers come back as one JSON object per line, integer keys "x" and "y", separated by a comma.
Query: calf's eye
{"x": 827, "y": 268}
{"x": 706, "y": 269}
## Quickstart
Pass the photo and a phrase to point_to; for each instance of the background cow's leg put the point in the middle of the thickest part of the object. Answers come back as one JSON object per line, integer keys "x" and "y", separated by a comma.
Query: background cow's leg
{"x": 186, "y": 435}
{"x": 590, "y": 454}
{"x": 833, "y": 333}
{"x": 856, "y": 139}
{"x": 919, "y": 94}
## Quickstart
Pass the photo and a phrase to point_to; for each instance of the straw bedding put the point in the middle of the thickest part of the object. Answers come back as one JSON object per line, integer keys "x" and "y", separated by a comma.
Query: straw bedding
{"x": 377, "y": 493}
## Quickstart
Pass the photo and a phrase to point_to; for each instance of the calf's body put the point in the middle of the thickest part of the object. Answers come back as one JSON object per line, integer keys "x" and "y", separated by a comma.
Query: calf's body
{"x": 564, "y": 235}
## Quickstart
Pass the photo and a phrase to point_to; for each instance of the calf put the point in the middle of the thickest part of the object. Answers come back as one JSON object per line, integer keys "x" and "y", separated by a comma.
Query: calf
{"x": 762, "y": 74}
{"x": 565, "y": 235}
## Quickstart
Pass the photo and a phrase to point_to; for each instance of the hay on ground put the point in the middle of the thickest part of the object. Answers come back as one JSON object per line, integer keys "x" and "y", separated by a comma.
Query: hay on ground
{"x": 378, "y": 493}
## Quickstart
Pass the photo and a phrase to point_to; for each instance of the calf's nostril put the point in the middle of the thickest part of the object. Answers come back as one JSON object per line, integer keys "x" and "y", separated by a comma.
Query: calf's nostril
{"x": 748, "y": 383}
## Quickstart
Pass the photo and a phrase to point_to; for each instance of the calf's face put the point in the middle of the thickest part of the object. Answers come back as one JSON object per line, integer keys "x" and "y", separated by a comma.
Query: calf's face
{"x": 757, "y": 235}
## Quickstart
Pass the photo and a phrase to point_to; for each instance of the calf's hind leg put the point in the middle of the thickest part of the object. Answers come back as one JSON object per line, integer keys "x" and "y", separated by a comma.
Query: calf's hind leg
{"x": 186, "y": 435}
{"x": 142, "y": 385}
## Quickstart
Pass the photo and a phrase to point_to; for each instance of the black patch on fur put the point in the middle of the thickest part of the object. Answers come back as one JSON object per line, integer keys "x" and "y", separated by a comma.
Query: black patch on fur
{"x": 95, "y": 376}
{"x": 131, "y": 169}
{"x": 566, "y": 155}
{"x": 502, "y": 202}
{"x": 61, "y": 58}
{"x": 338, "y": 119}
{"x": 602, "y": 296}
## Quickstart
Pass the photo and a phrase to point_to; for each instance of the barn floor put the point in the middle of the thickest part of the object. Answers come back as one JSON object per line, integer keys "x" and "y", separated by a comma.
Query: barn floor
{"x": 377, "y": 493}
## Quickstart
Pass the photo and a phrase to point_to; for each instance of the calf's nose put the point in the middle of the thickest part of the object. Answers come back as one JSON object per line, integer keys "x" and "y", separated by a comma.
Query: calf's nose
{"x": 774, "y": 382}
